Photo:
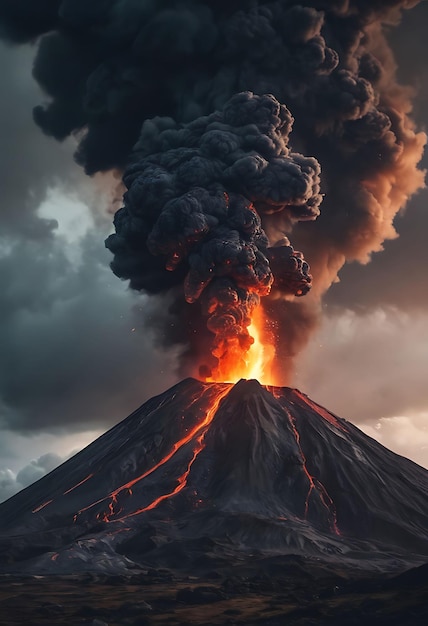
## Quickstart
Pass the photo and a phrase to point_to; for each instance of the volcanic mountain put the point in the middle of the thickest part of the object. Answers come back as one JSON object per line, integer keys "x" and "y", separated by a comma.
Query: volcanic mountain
{"x": 214, "y": 475}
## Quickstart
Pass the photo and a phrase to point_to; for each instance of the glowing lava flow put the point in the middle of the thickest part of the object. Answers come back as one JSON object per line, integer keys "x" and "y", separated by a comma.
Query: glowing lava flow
{"x": 182, "y": 481}
{"x": 254, "y": 364}
{"x": 127, "y": 487}
{"x": 314, "y": 484}
{"x": 78, "y": 484}
{"x": 42, "y": 506}
{"x": 321, "y": 411}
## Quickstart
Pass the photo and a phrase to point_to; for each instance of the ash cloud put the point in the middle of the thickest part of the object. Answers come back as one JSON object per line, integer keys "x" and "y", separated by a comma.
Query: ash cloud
{"x": 367, "y": 288}
{"x": 109, "y": 66}
{"x": 195, "y": 194}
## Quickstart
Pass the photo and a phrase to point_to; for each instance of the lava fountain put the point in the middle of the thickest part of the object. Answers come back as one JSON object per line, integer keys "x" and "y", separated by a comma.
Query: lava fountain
{"x": 255, "y": 363}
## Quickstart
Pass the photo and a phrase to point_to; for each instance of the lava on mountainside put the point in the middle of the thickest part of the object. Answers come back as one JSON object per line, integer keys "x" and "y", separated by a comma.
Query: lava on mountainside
{"x": 245, "y": 468}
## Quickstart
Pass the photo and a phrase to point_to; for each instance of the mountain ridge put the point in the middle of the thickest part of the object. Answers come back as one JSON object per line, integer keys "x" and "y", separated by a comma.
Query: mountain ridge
{"x": 216, "y": 472}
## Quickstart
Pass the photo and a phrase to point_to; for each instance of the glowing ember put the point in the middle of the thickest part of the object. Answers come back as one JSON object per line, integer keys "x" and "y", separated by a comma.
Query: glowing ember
{"x": 256, "y": 363}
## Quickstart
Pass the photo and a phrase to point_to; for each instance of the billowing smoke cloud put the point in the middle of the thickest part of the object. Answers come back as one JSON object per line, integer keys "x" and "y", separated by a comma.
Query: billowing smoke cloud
{"x": 109, "y": 65}
{"x": 195, "y": 193}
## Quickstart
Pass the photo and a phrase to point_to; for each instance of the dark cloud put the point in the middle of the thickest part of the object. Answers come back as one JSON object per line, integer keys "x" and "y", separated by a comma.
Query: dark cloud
{"x": 8, "y": 485}
{"x": 60, "y": 306}
{"x": 23, "y": 20}
{"x": 370, "y": 366}
{"x": 73, "y": 351}
{"x": 38, "y": 468}
{"x": 109, "y": 66}
{"x": 106, "y": 67}
{"x": 29, "y": 162}
{"x": 195, "y": 193}
{"x": 11, "y": 483}
{"x": 397, "y": 276}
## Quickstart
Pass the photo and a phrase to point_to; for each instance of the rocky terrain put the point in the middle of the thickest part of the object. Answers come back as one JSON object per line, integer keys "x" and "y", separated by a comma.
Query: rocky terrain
{"x": 219, "y": 503}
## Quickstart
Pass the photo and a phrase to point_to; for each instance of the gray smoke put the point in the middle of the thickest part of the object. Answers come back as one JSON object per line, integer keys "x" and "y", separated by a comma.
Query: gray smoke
{"x": 195, "y": 196}
{"x": 110, "y": 66}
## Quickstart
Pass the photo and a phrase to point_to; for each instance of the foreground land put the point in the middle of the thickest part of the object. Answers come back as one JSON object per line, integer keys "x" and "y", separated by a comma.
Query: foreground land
{"x": 156, "y": 597}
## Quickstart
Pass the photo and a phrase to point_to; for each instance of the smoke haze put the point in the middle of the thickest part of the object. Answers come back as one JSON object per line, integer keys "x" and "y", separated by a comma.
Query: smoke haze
{"x": 69, "y": 358}
{"x": 110, "y": 65}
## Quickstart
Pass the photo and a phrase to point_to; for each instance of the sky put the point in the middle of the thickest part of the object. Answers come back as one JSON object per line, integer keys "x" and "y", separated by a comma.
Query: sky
{"x": 77, "y": 355}
{"x": 368, "y": 362}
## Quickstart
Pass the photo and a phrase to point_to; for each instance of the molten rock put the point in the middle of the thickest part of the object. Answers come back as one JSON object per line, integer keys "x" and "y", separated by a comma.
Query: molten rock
{"x": 209, "y": 475}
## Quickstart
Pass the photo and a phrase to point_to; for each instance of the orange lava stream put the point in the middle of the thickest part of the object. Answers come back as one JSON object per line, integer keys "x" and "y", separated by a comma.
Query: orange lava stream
{"x": 318, "y": 486}
{"x": 254, "y": 364}
{"x": 182, "y": 481}
{"x": 78, "y": 484}
{"x": 314, "y": 483}
{"x": 106, "y": 516}
{"x": 321, "y": 411}
{"x": 42, "y": 506}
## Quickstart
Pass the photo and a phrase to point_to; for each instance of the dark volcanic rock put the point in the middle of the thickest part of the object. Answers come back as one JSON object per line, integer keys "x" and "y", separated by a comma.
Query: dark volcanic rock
{"x": 200, "y": 595}
{"x": 209, "y": 476}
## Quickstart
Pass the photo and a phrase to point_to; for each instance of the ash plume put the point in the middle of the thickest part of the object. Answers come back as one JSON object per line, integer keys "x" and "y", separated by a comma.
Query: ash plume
{"x": 203, "y": 91}
{"x": 195, "y": 196}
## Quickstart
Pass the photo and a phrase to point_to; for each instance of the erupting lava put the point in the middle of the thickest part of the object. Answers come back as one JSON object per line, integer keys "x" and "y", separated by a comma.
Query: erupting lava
{"x": 256, "y": 363}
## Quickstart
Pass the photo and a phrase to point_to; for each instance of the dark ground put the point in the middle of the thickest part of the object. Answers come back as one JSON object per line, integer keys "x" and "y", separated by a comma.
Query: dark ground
{"x": 156, "y": 597}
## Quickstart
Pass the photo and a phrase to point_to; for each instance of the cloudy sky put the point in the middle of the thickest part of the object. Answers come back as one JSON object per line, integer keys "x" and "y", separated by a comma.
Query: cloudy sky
{"x": 74, "y": 356}
{"x": 369, "y": 360}
{"x": 75, "y": 353}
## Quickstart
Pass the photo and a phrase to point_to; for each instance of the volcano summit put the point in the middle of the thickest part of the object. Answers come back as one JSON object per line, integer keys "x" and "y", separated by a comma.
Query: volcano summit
{"x": 211, "y": 475}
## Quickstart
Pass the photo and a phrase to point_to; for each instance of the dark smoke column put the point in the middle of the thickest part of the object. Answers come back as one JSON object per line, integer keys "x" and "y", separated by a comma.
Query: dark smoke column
{"x": 195, "y": 196}
{"x": 113, "y": 67}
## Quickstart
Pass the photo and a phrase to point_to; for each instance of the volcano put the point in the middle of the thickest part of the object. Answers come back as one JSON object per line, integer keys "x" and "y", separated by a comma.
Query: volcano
{"x": 214, "y": 475}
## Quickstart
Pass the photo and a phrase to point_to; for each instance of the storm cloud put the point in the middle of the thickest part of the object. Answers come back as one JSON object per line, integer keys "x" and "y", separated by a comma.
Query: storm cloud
{"x": 60, "y": 306}
{"x": 11, "y": 483}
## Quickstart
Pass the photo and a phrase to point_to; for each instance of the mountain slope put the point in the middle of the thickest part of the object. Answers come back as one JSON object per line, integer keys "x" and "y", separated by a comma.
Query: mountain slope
{"x": 210, "y": 473}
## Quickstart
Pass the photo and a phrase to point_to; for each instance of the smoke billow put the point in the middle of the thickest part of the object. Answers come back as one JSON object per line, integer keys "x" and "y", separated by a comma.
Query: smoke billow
{"x": 191, "y": 99}
{"x": 195, "y": 196}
